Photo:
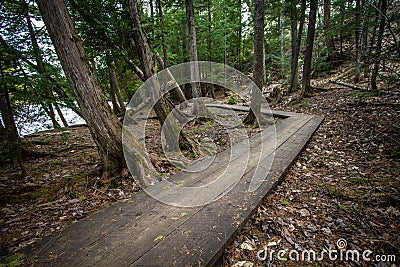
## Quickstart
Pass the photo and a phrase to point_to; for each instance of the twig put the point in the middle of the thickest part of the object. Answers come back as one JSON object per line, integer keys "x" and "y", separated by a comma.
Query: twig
{"x": 104, "y": 193}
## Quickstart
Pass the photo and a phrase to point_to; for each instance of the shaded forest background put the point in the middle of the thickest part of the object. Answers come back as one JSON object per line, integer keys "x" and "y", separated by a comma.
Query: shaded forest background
{"x": 86, "y": 54}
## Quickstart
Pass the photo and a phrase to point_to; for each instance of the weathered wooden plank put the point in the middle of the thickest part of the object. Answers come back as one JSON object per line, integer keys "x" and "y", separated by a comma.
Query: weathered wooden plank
{"x": 129, "y": 233}
{"x": 202, "y": 238}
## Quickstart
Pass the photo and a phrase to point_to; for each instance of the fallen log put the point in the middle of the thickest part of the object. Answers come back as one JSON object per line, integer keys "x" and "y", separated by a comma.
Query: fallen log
{"x": 348, "y": 85}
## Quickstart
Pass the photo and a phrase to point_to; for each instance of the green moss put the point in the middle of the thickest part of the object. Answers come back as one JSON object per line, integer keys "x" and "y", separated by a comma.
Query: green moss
{"x": 14, "y": 260}
{"x": 359, "y": 181}
{"x": 378, "y": 194}
{"x": 232, "y": 100}
{"x": 395, "y": 153}
{"x": 284, "y": 201}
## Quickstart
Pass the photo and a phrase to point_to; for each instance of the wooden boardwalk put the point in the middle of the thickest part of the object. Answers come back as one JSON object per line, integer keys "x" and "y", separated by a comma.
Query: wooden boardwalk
{"x": 146, "y": 232}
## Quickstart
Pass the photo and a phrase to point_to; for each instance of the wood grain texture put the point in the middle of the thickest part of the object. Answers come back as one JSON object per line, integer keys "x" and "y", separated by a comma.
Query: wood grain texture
{"x": 145, "y": 232}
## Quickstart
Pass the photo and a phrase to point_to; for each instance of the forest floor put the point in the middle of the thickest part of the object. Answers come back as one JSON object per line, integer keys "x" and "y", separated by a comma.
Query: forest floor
{"x": 345, "y": 184}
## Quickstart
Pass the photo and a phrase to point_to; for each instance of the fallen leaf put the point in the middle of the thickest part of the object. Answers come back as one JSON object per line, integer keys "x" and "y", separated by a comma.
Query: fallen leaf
{"x": 158, "y": 238}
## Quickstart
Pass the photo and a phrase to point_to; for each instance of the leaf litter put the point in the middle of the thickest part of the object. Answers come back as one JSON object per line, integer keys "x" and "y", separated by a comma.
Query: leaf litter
{"x": 344, "y": 184}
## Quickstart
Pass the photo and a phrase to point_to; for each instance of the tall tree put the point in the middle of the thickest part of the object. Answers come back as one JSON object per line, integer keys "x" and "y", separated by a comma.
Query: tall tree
{"x": 379, "y": 40}
{"x": 146, "y": 62}
{"x": 102, "y": 122}
{"x": 163, "y": 42}
{"x": 114, "y": 91}
{"x": 358, "y": 34}
{"x": 47, "y": 106}
{"x": 259, "y": 10}
{"x": 10, "y": 134}
{"x": 306, "y": 86}
{"x": 296, "y": 35}
{"x": 327, "y": 31}
{"x": 199, "y": 107}
{"x": 283, "y": 39}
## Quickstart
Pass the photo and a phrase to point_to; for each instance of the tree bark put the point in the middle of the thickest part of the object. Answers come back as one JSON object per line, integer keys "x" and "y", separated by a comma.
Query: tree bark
{"x": 239, "y": 34}
{"x": 209, "y": 42}
{"x": 306, "y": 86}
{"x": 178, "y": 91}
{"x": 283, "y": 39}
{"x": 293, "y": 85}
{"x": 61, "y": 115}
{"x": 111, "y": 93}
{"x": 102, "y": 122}
{"x": 146, "y": 61}
{"x": 255, "y": 111}
{"x": 296, "y": 43}
{"x": 161, "y": 108}
{"x": 379, "y": 40}
{"x": 163, "y": 41}
{"x": 11, "y": 137}
{"x": 360, "y": 32}
{"x": 114, "y": 91}
{"x": 48, "y": 108}
{"x": 358, "y": 42}
{"x": 199, "y": 107}
{"x": 327, "y": 28}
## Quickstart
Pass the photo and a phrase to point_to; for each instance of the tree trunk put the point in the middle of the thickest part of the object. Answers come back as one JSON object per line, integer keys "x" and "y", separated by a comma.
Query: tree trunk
{"x": 114, "y": 91}
{"x": 379, "y": 40}
{"x": 118, "y": 92}
{"x": 161, "y": 108}
{"x": 342, "y": 11}
{"x": 111, "y": 94}
{"x": 164, "y": 43}
{"x": 372, "y": 39}
{"x": 199, "y": 107}
{"x": 146, "y": 61}
{"x": 209, "y": 43}
{"x": 239, "y": 35}
{"x": 358, "y": 42}
{"x": 293, "y": 85}
{"x": 152, "y": 19}
{"x": 60, "y": 114}
{"x": 283, "y": 39}
{"x": 11, "y": 137}
{"x": 327, "y": 28}
{"x": 306, "y": 86}
{"x": 102, "y": 122}
{"x": 178, "y": 91}
{"x": 296, "y": 43}
{"x": 255, "y": 111}
{"x": 48, "y": 108}
{"x": 365, "y": 56}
